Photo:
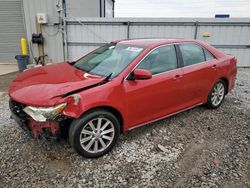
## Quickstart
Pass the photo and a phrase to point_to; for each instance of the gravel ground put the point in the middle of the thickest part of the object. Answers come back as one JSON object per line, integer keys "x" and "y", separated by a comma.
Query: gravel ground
{"x": 196, "y": 148}
{"x": 6, "y": 80}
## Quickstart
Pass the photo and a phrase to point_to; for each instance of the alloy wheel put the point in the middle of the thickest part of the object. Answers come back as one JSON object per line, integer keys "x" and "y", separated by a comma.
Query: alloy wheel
{"x": 97, "y": 135}
{"x": 218, "y": 94}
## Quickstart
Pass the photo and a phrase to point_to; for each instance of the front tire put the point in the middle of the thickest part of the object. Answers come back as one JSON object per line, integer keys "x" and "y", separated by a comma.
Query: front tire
{"x": 216, "y": 95}
{"x": 94, "y": 134}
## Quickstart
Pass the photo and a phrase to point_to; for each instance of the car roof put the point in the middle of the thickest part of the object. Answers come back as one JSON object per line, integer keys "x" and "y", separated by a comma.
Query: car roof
{"x": 152, "y": 42}
{"x": 155, "y": 42}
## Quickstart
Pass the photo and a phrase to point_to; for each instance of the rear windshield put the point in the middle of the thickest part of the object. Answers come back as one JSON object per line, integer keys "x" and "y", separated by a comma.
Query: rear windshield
{"x": 109, "y": 59}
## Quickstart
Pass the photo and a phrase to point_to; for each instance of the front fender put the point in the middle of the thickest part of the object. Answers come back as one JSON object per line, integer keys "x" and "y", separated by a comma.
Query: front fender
{"x": 78, "y": 104}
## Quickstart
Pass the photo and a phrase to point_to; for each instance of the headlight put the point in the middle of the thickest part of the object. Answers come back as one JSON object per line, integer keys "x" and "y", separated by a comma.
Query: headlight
{"x": 42, "y": 114}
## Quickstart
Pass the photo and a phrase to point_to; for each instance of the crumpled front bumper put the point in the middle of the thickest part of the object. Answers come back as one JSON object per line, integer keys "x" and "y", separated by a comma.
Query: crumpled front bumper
{"x": 21, "y": 122}
{"x": 49, "y": 130}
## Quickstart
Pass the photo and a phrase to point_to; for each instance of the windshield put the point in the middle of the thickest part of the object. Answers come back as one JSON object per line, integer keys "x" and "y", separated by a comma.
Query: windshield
{"x": 111, "y": 58}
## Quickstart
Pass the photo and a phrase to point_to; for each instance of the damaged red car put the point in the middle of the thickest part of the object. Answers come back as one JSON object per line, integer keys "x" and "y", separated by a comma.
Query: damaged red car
{"x": 118, "y": 87}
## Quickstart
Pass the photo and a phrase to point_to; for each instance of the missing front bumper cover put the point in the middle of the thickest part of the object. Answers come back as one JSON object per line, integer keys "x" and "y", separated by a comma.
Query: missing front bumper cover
{"x": 39, "y": 130}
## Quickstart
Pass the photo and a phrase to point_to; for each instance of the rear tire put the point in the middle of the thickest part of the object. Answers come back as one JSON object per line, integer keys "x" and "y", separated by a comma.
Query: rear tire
{"x": 216, "y": 95}
{"x": 94, "y": 134}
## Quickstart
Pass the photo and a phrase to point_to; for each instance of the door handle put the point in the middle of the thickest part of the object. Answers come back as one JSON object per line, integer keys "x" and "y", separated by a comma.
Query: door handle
{"x": 177, "y": 76}
{"x": 214, "y": 66}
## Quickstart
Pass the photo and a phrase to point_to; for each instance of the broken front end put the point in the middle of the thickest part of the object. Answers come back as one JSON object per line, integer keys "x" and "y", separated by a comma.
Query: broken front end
{"x": 41, "y": 123}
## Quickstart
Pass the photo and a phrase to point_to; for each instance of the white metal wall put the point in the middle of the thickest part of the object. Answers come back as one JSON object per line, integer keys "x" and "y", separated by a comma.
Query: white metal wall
{"x": 229, "y": 35}
{"x": 52, "y": 32}
{"x": 232, "y": 39}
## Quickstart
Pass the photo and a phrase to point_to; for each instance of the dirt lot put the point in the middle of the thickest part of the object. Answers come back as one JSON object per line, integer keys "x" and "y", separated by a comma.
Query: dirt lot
{"x": 197, "y": 148}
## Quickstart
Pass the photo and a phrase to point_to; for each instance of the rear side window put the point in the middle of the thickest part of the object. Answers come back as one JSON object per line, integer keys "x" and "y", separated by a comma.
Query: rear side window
{"x": 160, "y": 60}
{"x": 191, "y": 54}
{"x": 208, "y": 55}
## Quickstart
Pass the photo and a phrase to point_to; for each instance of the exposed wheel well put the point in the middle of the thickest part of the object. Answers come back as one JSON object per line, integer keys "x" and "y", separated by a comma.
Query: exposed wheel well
{"x": 112, "y": 110}
{"x": 226, "y": 81}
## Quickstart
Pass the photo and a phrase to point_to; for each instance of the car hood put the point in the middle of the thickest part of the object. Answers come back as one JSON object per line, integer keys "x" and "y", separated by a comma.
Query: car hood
{"x": 44, "y": 86}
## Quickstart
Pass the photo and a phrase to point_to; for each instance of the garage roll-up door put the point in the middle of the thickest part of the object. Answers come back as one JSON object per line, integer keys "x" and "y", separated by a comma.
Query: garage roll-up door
{"x": 11, "y": 29}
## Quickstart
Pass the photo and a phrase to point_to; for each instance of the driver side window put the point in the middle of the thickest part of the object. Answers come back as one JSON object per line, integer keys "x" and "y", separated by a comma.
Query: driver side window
{"x": 160, "y": 60}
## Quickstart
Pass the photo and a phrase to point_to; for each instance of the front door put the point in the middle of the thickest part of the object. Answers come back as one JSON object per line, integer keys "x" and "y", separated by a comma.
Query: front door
{"x": 150, "y": 99}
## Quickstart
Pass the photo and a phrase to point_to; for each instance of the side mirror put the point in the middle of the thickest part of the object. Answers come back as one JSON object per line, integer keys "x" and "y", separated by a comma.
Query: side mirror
{"x": 142, "y": 74}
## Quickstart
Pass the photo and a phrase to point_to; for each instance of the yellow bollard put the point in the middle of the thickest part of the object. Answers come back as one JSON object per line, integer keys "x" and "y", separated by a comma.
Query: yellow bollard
{"x": 24, "y": 46}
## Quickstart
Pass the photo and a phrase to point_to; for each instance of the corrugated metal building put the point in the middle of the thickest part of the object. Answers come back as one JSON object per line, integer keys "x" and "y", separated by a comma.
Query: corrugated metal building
{"x": 11, "y": 29}
{"x": 52, "y": 32}
{"x": 229, "y": 35}
{"x": 69, "y": 34}
{"x": 17, "y": 20}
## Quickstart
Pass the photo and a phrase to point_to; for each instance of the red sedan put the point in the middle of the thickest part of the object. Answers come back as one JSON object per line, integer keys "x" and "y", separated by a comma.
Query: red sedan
{"x": 118, "y": 87}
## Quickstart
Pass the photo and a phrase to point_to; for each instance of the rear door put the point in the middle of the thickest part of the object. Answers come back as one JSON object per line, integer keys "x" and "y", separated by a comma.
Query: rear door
{"x": 161, "y": 95}
{"x": 199, "y": 73}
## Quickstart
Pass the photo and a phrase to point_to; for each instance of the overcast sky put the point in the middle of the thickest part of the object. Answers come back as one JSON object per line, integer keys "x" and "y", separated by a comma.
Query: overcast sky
{"x": 181, "y": 8}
